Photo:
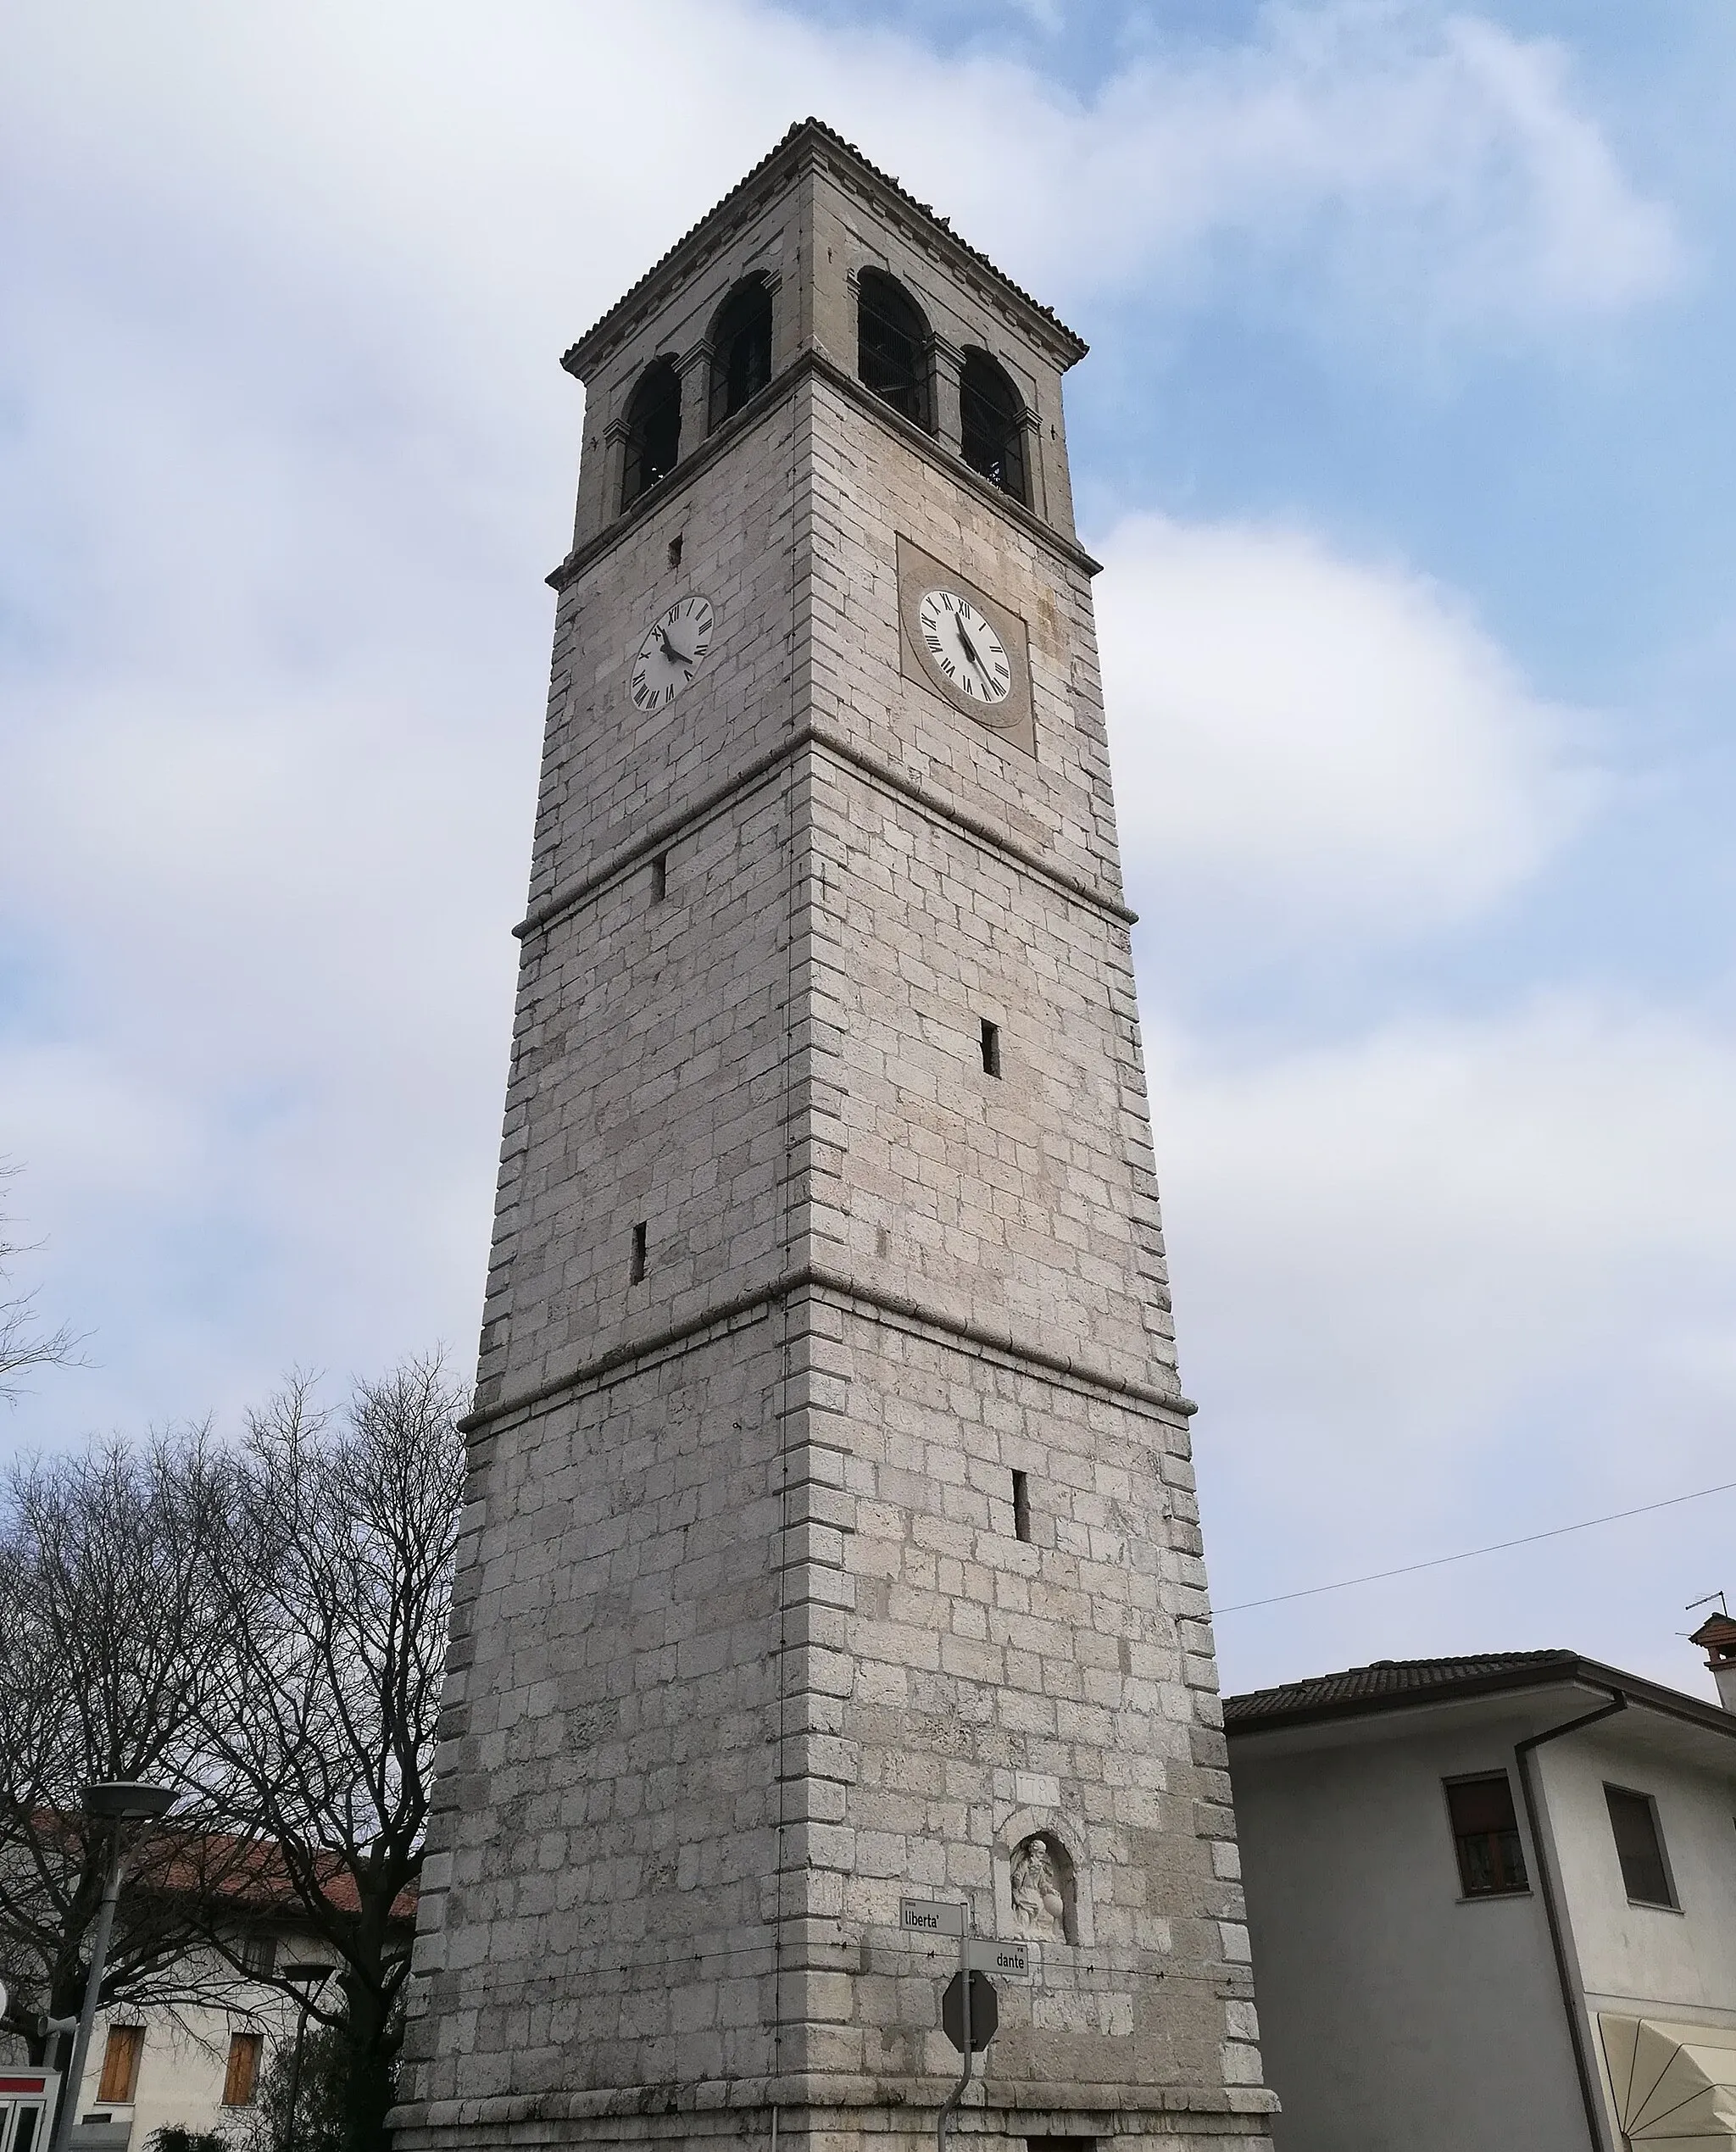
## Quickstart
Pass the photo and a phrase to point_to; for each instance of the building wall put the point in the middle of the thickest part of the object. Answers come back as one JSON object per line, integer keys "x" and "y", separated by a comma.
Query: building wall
{"x": 744, "y": 1644}
{"x": 1643, "y": 1960}
{"x": 183, "y": 2064}
{"x": 1392, "y": 2013}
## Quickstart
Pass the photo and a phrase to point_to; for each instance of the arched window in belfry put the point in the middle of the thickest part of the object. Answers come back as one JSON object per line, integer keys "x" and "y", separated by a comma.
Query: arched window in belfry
{"x": 992, "y": 415}
{"x": 891, "y": 346}
{"x": 653, "y": 430}
{"x": 741, "y": 349}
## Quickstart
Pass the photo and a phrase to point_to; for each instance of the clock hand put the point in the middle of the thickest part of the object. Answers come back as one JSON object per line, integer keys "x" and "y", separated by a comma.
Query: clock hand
{"x": 970, "y": 646}
{"x": 675, "y": 657}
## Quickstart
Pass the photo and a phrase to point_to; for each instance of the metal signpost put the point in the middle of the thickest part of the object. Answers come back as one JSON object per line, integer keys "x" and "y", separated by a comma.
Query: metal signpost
{"x": 978, "y": 1957}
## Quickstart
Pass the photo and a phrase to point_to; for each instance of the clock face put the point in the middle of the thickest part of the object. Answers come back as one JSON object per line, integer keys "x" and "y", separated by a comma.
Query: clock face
{"x": 672, "y": 653}
{"x": 963, "y": 648}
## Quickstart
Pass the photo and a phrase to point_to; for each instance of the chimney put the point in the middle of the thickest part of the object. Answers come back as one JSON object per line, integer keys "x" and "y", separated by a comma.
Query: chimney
{"x": 1716, "y": 1634}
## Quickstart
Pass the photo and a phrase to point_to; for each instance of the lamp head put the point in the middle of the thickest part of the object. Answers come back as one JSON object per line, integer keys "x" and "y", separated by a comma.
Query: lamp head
{"x": 308, "y": 1976}
{"x": 127, "y": 1800}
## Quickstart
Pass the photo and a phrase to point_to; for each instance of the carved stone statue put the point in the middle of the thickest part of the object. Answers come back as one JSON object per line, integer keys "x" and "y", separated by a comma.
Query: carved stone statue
{"x": 1039, "y": 1902}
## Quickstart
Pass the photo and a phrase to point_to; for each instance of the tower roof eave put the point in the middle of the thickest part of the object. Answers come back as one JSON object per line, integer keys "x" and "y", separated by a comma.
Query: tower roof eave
{"x": 806, "y": 137}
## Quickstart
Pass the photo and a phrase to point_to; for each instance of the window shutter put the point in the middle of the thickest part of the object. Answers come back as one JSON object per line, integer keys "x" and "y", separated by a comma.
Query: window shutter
{"x": 120, "y": 2064}
{"x": 240, "y": 2079}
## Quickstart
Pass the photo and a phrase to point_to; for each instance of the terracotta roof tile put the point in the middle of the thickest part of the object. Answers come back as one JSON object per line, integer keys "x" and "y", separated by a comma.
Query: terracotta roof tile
{"x": 1388, "y": 1681}
{"x": 818, "y": 129}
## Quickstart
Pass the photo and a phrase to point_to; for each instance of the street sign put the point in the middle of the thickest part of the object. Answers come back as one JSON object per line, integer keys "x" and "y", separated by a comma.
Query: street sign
{"x": 985, "y": 2011}
{"x": 1005, "y": 1961}
{"x": 929, "y": 1916}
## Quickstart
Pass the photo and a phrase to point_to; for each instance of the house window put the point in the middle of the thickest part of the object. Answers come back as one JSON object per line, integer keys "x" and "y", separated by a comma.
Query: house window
{"x": 120, "y": 2064}
{"x": 1486, "y": 1835}
{"x": 240, "y": 2080}
{"x": 1639, "y": 1846}
{"x": 259, "y": 1956}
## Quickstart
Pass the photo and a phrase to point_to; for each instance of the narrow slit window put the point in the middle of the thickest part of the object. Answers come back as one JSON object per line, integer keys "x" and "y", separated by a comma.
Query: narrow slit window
{"x": 638, "y": 1270}
{"x": 991, "y": 1049}
{"x": 1022, "y": 1506}
{"x": 675, "y": 551}
{"x": 660, "y": 877}
{"x": 1486, "y": 1835}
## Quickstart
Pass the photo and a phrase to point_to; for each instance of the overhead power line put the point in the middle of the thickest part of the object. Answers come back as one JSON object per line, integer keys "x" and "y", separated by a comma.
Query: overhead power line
{"x": 1471, "y": 1554}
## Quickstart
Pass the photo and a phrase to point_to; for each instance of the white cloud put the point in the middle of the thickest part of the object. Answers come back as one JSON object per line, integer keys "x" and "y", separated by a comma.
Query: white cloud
{"x": 1315, "y": 741}
{"x": 1433, "y": 167}
{"x": 1429, "y": 161}
{"x": 1450, "y": 1282}
{"x": 288, "y": 453}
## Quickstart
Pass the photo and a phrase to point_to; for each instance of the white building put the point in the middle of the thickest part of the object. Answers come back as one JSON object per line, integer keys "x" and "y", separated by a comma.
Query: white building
{"x": 198, "y": 2067}
{"x": 1492, "y": 1904}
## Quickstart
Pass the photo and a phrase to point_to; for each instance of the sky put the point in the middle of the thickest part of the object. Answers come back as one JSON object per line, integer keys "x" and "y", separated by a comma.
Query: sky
{"x": 1406, "y": 442}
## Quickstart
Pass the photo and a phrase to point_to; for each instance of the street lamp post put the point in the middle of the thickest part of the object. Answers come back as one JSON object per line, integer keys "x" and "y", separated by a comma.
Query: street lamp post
{"x": 115, "y": 1801}
{"x": 309, "y": 1979}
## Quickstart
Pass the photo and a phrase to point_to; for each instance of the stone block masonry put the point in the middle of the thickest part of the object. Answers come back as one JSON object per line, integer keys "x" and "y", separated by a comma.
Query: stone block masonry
{"x": 833, "y": 1537}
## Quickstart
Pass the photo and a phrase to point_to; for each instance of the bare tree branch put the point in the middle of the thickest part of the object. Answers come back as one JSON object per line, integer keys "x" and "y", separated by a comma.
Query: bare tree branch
{"x": 111, "y": 1627}
{"x": 23, "y": 1343}
{"x": 320, "y": 1741}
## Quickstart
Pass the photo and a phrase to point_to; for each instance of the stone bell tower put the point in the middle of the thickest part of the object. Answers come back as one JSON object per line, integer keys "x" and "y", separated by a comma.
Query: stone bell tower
{"x": 833, "y": 1539}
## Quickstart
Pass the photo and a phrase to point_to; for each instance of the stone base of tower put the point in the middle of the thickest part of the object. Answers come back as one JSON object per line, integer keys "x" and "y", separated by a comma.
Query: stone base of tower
{"x": 634, "y": 2119}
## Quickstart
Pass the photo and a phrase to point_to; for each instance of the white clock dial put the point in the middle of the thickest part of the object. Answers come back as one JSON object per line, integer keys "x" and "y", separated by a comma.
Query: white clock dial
{"x": 673, "y": 650}
{"x": 963, "y": 648}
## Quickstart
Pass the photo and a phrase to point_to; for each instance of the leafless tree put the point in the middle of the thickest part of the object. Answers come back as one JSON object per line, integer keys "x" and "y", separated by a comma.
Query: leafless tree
{"x": 24, "y": 1342}
{"x": 336, "y": 1578}
{"x": 110, "y": 1630}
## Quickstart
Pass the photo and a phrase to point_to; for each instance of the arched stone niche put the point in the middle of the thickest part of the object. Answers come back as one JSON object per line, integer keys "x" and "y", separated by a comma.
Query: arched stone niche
{"x": 1042, "y": 1885}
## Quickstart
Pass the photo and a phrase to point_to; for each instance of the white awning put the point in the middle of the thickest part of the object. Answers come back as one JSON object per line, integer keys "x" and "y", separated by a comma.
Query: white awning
{"x": 1673, "y": 2083}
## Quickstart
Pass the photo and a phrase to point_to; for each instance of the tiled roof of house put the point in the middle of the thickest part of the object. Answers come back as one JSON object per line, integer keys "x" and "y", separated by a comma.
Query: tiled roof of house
{"x": 1389, "y": 1681}
{"x": 819, "y": 128}
{"x": 1389, "y": 1684}
{"x": 251, "y": 1874}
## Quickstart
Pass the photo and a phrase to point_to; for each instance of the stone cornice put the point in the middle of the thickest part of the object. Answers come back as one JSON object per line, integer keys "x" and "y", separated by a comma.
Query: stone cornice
{"x": 815, "y": 1277}
{"x": 874, "y": 767}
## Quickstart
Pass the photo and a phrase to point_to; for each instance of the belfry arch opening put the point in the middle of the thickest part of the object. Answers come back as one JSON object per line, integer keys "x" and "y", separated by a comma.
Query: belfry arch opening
{"x": 741, "y": 349}
{"x": 891, "y": 346}
{"x": 991, "y": 422}
{"x": 653, "y": 430}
